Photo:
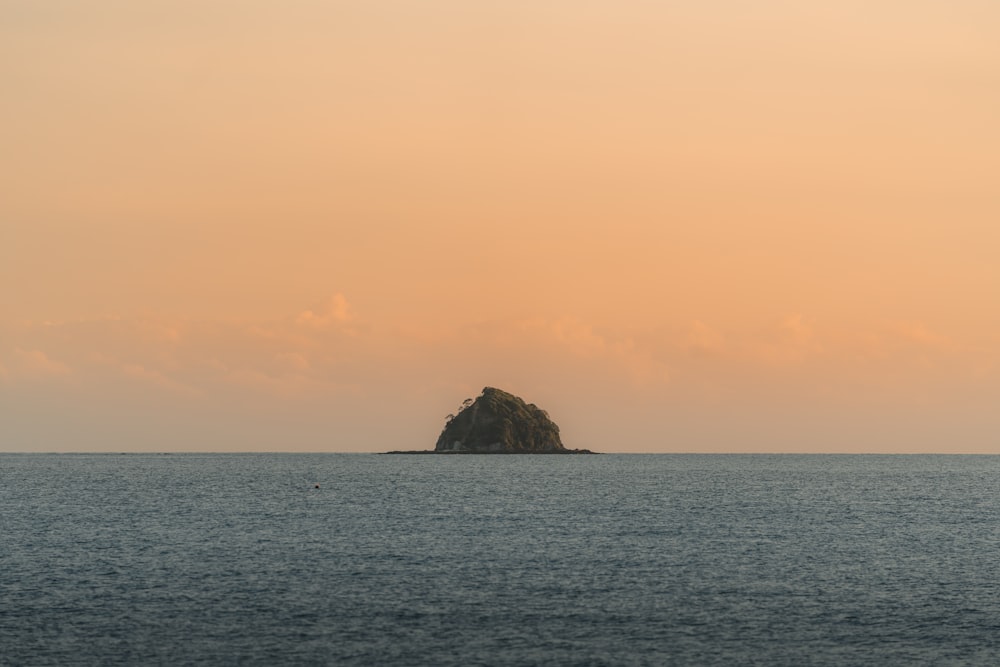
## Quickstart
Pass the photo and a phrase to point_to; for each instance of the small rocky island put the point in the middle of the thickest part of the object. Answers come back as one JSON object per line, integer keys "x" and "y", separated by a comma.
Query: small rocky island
{"x": 499, "y": 423}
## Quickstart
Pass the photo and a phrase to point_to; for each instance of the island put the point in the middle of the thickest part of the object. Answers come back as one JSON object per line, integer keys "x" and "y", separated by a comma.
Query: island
{"x": 499, "y": 423}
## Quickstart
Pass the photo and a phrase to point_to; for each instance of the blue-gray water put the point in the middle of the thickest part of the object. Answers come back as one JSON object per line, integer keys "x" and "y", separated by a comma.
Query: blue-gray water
{"x": 503, "y": 560}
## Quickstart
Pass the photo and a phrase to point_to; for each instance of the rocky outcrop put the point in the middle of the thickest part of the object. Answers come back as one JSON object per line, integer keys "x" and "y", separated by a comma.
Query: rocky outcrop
{"x": 500, "y": 423}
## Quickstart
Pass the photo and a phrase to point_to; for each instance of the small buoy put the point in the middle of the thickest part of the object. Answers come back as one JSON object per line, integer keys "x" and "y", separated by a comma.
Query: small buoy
{"x": 316, "y": 487}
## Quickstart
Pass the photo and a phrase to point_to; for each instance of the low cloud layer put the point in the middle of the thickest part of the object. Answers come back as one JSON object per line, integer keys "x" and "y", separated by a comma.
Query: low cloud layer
{"x": 328, "y": 378}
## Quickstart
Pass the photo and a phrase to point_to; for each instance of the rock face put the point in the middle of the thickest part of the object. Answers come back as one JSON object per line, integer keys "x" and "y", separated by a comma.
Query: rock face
{"x": 500, "y": 423}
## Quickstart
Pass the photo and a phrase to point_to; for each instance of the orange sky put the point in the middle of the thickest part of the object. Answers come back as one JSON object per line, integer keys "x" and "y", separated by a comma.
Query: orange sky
{"x": 677, "y": 226}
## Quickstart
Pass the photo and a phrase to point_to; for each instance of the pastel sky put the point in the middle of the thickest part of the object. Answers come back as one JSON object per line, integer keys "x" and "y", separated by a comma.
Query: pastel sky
{"x": 319, "y": 225}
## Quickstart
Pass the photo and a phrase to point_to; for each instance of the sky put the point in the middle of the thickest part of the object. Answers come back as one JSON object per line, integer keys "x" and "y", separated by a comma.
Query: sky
{"x": 677, "y": 226}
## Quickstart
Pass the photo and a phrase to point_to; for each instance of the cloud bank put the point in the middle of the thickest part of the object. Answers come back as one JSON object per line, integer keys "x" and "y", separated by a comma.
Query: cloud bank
{"x": 328, "y": 378}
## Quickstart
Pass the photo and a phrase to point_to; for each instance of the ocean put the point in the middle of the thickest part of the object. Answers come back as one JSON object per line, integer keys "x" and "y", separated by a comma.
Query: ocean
{"x": 499, "y": 560}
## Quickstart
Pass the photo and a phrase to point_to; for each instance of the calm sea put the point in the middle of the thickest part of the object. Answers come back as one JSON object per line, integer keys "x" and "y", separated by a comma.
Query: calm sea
{"x": 502, "y": 560}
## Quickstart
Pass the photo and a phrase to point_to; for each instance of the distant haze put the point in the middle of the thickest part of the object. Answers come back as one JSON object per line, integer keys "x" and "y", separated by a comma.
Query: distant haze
{"x": 676, "y": 226}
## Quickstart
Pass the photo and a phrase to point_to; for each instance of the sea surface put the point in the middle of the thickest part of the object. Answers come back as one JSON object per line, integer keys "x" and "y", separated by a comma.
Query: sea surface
{"x": 499, "y": 560}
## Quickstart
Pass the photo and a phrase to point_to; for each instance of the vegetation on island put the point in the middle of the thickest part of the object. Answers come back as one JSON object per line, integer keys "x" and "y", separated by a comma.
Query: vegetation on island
{"x": 499, "y": 423}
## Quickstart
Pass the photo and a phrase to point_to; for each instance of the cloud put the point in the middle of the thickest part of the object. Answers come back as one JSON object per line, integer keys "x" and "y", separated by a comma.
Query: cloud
{"x": 247, "y": 373}
{"x": 570, "y": 334}
{"x": 908, "y": 343}
{"x": 315, "y": 354}
{"x": 916, "y": 332}
{"x": 560, "y": 348}
{"x": 610, "y": 353}
{"x": 703, "y": 340}
{"x": 334, "y": 312}
{"x": 293, "y": 361}
{"x": 287, "y": 385}
{"x": 158, "y": 379}
{"x": 797, "y": 330}
{"x": 791, "y": 341}
{"x": 37, "y": 364}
